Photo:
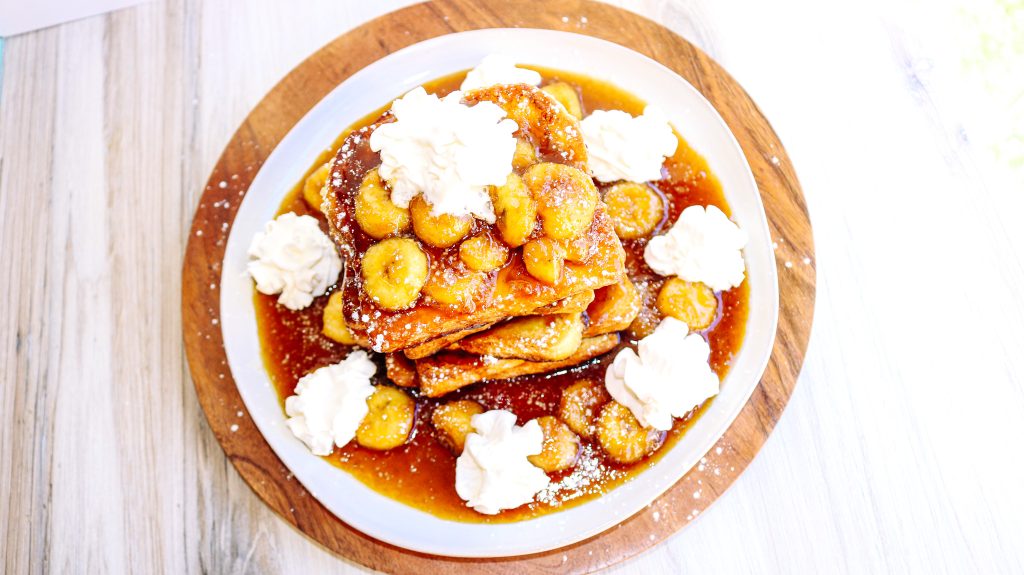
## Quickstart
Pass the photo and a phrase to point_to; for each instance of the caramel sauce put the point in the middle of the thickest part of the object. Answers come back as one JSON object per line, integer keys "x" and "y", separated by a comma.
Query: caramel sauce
{"x": 421, "y": 473}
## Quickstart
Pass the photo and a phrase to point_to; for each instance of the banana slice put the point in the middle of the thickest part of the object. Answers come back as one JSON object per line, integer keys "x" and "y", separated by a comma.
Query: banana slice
{"x": 483, "y": 253}
{"x": 566, "y": 198}
{"x": 465, "y": 291}
{"x": 453, "y": 422}
{"x": 525, "y": 155}
{"x": 515, "y": 210}
{"x": 622, "y": 437}
{"x": 580, "y": 405}
{"x": 394, "y": 272}
{"x": 561, "y": 446}
{"x": 544, "y": 259}
{"x": 692, "y": 303}
{"x": 567, "y": 96}
{"x": 313, "y": 184}
{"x": 334, "y": 321}
{"x": 439, "y": 231}
{"x": 376, "y": 214}
{"x": 634, "y": 208}
{"x": 390, "y": 420}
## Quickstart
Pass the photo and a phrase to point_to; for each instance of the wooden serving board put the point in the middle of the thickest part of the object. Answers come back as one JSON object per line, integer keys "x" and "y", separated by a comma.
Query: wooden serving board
{"x": 306, "y": 85}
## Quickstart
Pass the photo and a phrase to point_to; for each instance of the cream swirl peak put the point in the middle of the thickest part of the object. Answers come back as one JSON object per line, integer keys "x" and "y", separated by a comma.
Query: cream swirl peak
{"x": 493, "y": 472}
{"x": 702, "y": 246}
{"x": 667, "y": 378}
{"x": 498, "y": 69}
{"x": 330, "y": 403}
{"x": 294, "y": 258}
{"x": 447, "y": 151}
{"x": 623, "y": 147}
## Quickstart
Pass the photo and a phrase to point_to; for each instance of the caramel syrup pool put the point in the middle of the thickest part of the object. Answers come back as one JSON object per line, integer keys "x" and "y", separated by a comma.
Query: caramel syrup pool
{"x": 421, "y": 473}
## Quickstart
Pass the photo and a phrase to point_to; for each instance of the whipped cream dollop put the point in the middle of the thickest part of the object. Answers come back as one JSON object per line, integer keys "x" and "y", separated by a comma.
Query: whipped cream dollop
{"x": 330, "y": 403}
{"x": 493, "y": 472}
{"x": 669, "y": 377}
{"x": 447, "y": 151}
{"x": 623, "y": 147}
{"x": 498, "y": 69}
{"x": 292, "y": 257}
{"x": 702, "y": 246}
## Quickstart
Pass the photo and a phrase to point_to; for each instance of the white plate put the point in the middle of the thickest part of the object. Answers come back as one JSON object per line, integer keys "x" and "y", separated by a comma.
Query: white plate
{"x": 390, "y": 77}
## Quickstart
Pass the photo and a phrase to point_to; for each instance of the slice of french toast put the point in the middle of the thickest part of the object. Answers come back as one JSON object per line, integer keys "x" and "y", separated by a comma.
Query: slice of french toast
{"x": 447, "y": 371}
{"x": 533, "y": 338}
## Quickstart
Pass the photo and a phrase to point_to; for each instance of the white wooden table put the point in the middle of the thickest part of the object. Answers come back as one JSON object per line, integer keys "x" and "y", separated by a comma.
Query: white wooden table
{"x": 902, "y": 449}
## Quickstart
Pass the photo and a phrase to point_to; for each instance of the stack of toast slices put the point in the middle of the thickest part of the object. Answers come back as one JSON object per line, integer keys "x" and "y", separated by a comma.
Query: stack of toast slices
{"x": 450, "y": 301}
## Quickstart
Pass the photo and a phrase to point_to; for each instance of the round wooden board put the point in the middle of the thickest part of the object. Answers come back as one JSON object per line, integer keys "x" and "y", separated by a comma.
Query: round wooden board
{"x": 309, "y": 83}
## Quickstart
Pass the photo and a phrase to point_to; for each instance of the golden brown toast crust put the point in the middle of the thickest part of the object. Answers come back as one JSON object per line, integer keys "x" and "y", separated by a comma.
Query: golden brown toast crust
{"x": 576, "y": 303}
{"x": 534, "y": 338}
{"x": 438, "y": 343}
{"x": 400, "y": 370}
{"x": 450, "y": 370}
{"x": 614, "y": 308}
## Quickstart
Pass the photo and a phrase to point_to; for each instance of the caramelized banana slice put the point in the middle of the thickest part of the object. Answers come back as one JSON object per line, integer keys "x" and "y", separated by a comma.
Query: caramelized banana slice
{"x": 483, "y": 253}
{"x": 389, "y": 421}
{"x": 691, "y": 302}
{"x": 622, "y": 436}
{"x": 453, "y": 422}
{"x": 534, "y": 338}
{"x": 544, "y": 259}
{"x": 580, "y": 405}
{"x": 635, "y": 209}
{"x": 465, "y": 291}
{"x": 439, "y": 231}
{"x": 525, "y": 155}
{"x": 313, "y": 184}
{"x": 561, "y": 446}
{"x": 334, "y": 320}
{"x": 567, "y": 96}
{"x": 394, "y": 272}
{"x": 515, "y": 210}
{"x": 376, "y": 214}
{"x": 614, "y": 307}
{"x": 566, "y": 198}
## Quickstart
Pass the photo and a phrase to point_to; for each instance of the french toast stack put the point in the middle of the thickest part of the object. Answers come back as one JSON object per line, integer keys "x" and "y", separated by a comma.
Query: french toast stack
{"x": 455, "y": 300}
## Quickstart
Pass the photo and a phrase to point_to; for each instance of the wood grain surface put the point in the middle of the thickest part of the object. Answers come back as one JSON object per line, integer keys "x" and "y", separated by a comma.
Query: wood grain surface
{"x": 304, "y": 87}
{"x": 897, "y": 453}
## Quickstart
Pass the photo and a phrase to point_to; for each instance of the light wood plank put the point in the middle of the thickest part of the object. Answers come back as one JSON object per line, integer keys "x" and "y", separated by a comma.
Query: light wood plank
{"x": 29, "y": 329}
{"x": 893, "y": 452}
